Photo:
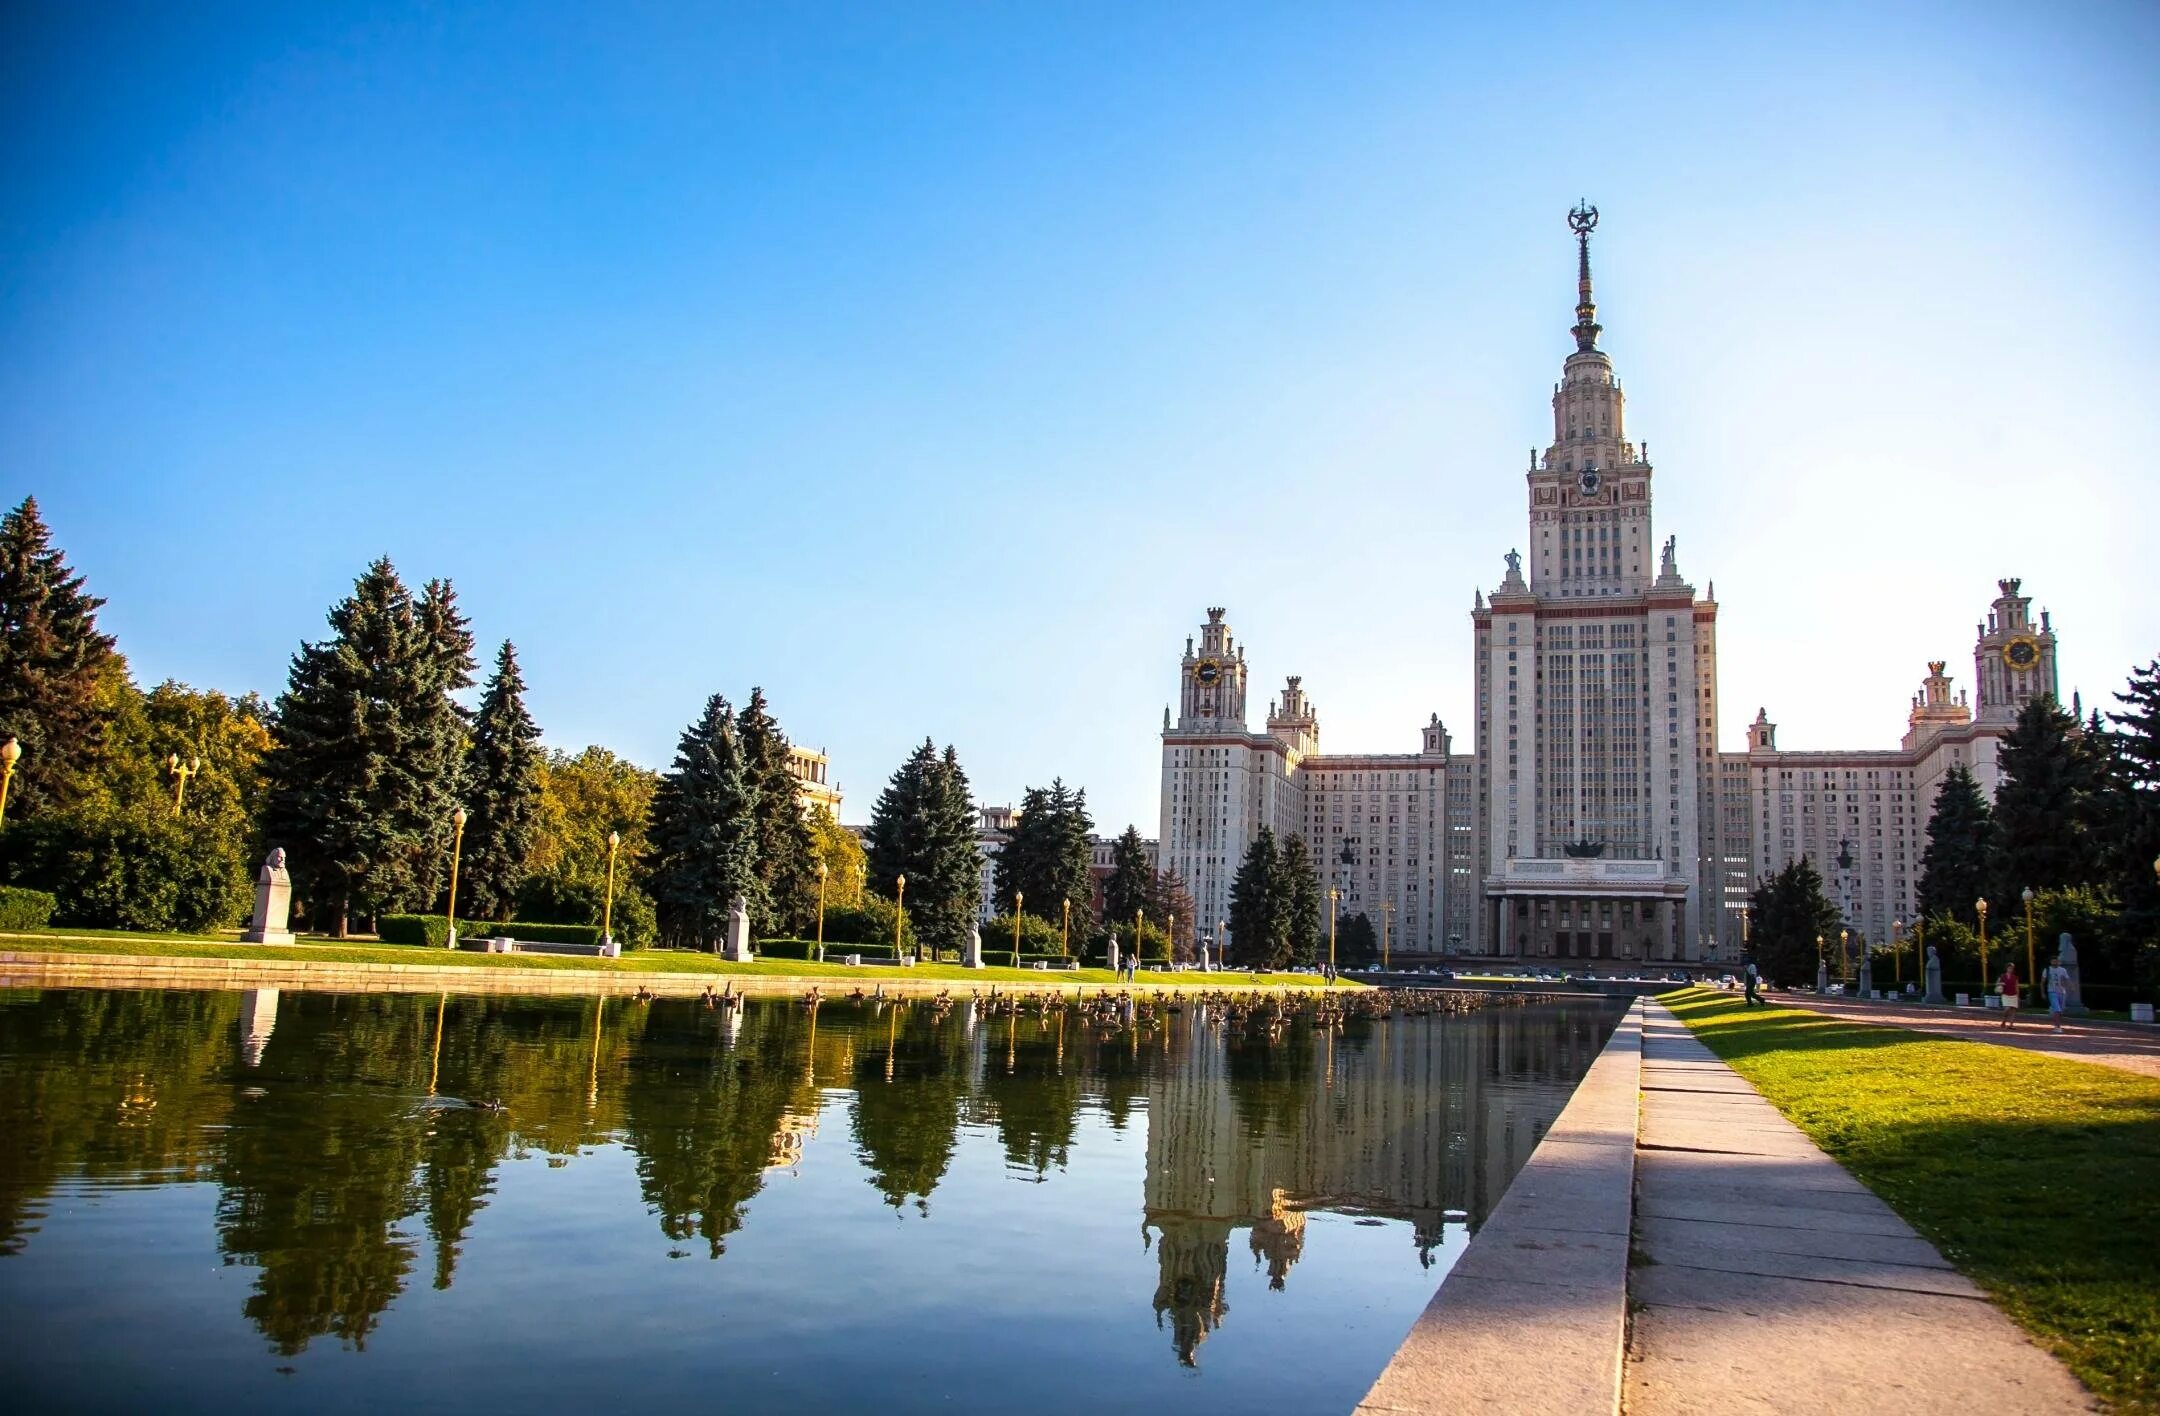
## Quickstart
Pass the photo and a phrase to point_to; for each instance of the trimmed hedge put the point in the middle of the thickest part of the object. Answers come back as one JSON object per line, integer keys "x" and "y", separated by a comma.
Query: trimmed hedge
{"x": 433, "y": 931}
{"x": 807, "y": 949}
{"x": 25, "y": 909}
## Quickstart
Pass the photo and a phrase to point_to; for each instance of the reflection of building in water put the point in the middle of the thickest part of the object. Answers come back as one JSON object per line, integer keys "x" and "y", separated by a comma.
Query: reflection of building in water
{"x": 1416, "y": 1118}
{"x": 787, "y": 1142}
{"x": 258, "y": 1016}
{"x": 1191, "y": 1258}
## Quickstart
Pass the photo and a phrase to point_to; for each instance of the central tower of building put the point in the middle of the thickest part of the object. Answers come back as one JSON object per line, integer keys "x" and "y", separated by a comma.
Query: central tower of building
{"x": 1596, "y": 758}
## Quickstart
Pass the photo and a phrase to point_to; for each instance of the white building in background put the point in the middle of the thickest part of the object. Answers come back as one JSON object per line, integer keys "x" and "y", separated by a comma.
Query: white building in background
{"x": 813, "y": 785}
{"x": 1594, "y": 817}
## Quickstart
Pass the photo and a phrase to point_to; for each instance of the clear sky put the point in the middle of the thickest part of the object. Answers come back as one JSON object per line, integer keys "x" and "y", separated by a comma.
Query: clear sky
{"x": 934, "y": 367}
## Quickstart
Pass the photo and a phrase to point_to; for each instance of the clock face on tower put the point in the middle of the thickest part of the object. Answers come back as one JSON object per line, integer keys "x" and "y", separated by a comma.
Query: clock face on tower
{"x": 1590, "y": 480}
{"x": 2022, "y": 652}
{"x": 1207, "y": 671}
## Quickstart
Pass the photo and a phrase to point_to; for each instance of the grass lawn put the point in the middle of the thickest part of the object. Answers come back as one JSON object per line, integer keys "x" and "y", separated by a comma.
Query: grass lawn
{"x": 2038, "y": 1177}
{"x": 643, "y": 961}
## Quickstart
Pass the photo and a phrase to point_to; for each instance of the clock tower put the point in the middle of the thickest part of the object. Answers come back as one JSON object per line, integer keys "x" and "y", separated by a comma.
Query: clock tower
{"x": 2014, "y": 660}
{"x": 1590, "y": 492}
{"x": 1212, "y": 679}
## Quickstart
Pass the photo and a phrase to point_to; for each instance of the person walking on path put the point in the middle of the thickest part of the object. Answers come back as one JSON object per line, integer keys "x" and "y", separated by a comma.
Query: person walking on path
{"x": 1754, "y": 977}
{"x": 2058, "y": 991}
{"x": 2008, "y": 983}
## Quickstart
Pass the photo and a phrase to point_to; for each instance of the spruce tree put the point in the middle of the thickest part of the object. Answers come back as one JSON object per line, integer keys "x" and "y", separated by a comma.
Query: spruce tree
{"x": 502, "y": 796}
{"x": 2046, "y": 806}
{"x": 1956, "y": 864}
{"x": 1049, "y": 856}
{"x": 704, "y": 835}
{"x": 923, "y": 827}
{"x": 1358, "y": 943}
{"x": 53, "y": 665}
{"x": 2134, "y": 824}
{"x": 787, "y": 851}
{"x": 1132, "y": 876}
{"x": 1789, "y": 913}
{"x": 364, "y": 772}
{"x": 1259, "y": 937}
{"x": 1168, "y": 900}
{"x": 1303, "y": 922}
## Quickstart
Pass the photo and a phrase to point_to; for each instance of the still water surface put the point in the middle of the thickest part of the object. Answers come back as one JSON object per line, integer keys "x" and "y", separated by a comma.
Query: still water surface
{"x": 288, "y": 1202}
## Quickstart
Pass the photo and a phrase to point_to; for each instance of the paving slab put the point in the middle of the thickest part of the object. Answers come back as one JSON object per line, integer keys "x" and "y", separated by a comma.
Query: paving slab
{"x": 1765, "y": 1278}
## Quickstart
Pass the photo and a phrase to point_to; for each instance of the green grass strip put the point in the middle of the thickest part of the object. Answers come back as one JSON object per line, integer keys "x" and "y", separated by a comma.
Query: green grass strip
{"x": 642, "y": 961}
{"x": 2039, "y": 1178}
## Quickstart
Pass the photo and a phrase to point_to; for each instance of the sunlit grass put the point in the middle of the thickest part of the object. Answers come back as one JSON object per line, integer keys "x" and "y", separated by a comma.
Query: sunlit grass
{"x": 2038, "y": 1177}
{"x": 650, "y": 961}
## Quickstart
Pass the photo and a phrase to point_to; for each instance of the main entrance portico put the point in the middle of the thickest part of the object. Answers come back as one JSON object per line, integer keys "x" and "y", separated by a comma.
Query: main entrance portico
{"x": 1625, "y": 910}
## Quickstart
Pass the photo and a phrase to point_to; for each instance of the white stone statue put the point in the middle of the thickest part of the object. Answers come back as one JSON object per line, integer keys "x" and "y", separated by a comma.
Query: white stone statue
{"x": 971, "y": 953}
{"x": 1934, "y": 977}
{"x": 737, "y": 948}
{"x": 273, "y": 903}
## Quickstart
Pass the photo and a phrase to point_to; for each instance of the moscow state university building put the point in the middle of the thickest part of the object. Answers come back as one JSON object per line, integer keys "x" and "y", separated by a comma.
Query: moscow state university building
{"x": 1594, "y": 817}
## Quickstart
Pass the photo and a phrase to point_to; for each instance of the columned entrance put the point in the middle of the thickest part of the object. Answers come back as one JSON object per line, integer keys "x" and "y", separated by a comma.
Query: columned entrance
{"x": 1586, "y": 912}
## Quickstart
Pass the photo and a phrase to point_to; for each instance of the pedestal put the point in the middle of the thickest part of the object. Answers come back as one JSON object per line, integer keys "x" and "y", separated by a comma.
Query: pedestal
{"x": 1934, "y": 983}
{"x": 1822, "y": 978}
{"x": 273, "y": 903}
{"x": 737, "y": 948}
{"x": 971, "y": 952}
{"x": 1113, "y": 954}
{"x": 1867, "y": 977}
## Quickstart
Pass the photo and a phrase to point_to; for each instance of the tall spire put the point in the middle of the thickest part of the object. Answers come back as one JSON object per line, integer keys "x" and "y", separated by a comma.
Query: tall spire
{"x": 1582, "y": 221}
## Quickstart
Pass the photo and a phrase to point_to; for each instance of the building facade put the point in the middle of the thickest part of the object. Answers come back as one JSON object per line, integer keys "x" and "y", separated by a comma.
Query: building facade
{"x": 1594, "y": 818}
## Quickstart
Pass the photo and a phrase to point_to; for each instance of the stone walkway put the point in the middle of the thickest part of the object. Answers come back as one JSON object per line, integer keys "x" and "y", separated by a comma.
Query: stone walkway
{"x": 1766, "y": 1279}
{"x": 2129, "y": 1047}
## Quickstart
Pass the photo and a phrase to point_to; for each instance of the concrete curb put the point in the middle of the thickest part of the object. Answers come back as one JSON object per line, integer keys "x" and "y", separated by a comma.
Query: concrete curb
{"x": 1533, "y": 1316}
{"x": 41, "y": 969}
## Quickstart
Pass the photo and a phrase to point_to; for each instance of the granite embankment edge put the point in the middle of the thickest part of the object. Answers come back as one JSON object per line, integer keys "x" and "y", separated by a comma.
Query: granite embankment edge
{"x": 1533, "y": 1316}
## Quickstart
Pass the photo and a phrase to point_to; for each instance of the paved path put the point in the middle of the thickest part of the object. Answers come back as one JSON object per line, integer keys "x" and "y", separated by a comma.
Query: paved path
{"x": 2129, "y": 1046}
{"x": 1766, "y": 1279}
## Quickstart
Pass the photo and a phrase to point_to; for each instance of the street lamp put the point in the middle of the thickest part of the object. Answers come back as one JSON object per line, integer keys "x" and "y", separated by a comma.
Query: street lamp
{"x": 1065, "y": 931}
{"x": 11, "y": 753}
{"x": 822, "y": 871}
{"x": 1822, "y": 971}
{"x": 2032, "y": 974}
{"x": 1172, "y": 950}
{"x": 180, "y": 772}
{"x": 1897, "y": 954}
{"x": 1844, "y": 955}
{"x": 1334, "y": 913}
{"x": 1387, "y": 913}
{"x": 457, "y": 848}
{"x": 1019, "y": 899}
{"x": 899, "y": 917}
{"x": 607, "y": 909}
{"x": 1980, "y": 909}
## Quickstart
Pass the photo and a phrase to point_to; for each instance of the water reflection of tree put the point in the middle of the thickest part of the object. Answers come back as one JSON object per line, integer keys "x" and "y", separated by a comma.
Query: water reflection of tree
{"x": 108, "y": 1084}
{"x": 1035, "y": 1096}
{"x": 909, "y": 1085}
{"x": 701, "y": 1112}
{"x": 318, "y": 1169}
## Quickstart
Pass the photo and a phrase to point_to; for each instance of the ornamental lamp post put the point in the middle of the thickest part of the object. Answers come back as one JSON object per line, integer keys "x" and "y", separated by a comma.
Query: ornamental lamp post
{"x": 822, "y": 871}
{"x": 1897, "y": 954}
{"x": 607, "y": 908}
{"x": 1334, "y": 913}
{"x": 2032, "y": 974}
{"x": 11, "y": 753}
{"x": 1387, "y": 913}
{"x": 1980, "y": 909}
{"x": 1844, "y": 955}
{"x": 1172, "y": 947}
{"x": 1822, "y": 970}
{"x": 1139, "y": 938}
{"x": 899, "y": 918}
{"x": 1065, "y": 931}
{"x": 1019, "y": 899}
{"x": 180, "y": 772}
{"x": 457, "y": 848}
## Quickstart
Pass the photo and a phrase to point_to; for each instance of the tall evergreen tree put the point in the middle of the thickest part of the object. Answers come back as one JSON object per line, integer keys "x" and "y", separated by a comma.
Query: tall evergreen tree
{"x": 1169, "y": 900}
{"x": 1048, "y": 857}
{"x": 502, "y": 795}
{"x": 1357, "y": 943}
{"x": 364, "y": 773}
{"x": 923, "y": 827}
{"x": 787, "y": 851}
{"x": 1132, "y": 875}
{"x": 1790, "y": 912}
{"x": 2134, "y": 823}
{"x": 1956, "y": 866}
{"x": 2047, "y": 805}
{"x": 704, "y": 835}
{"x": 1303, "y": 920}
{"x": 53, "y": 665}
{"x": 1259, "y": 937}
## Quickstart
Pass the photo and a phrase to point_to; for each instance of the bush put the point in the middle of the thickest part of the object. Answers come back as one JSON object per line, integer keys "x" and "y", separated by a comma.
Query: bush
{"x": 433, "y": 931}
{"x": 807, "y": 949}
{"x": 25, "y": 909}
{"x": 867, "y": 923}
{"x": 125, "y": 870}
{"x": 1037, "y": 936}
{"x": 560, "y": 899}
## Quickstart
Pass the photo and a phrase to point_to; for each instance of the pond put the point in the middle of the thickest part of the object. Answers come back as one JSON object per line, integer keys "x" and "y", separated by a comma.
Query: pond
{"x": 332, "y": 1202}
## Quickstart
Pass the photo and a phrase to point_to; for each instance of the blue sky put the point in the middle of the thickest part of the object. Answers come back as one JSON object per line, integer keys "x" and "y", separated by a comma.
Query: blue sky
{"x": 934, "y": 367}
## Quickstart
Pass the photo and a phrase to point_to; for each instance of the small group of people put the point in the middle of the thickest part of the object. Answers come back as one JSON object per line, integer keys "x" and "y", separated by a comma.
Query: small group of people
{"x": 2057, "y": 977}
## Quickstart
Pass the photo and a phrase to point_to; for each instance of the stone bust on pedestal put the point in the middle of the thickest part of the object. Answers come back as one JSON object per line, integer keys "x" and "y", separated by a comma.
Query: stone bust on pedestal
{"x": 1934, "y": 977}
{"x": 273, "y": 903}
